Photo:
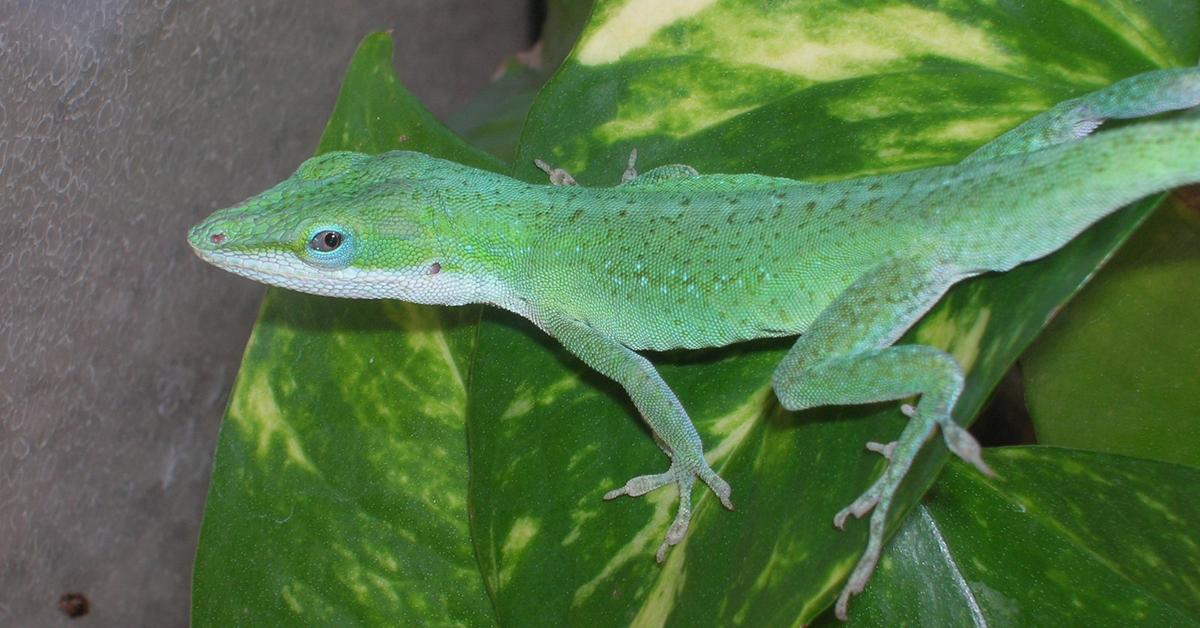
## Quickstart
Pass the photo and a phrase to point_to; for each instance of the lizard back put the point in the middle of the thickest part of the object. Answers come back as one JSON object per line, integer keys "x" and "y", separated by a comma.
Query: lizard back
{"x": 707, "y": 260}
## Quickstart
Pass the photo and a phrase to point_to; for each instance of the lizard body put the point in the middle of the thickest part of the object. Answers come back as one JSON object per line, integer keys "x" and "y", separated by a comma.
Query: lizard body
{"x": 675, "y": 259}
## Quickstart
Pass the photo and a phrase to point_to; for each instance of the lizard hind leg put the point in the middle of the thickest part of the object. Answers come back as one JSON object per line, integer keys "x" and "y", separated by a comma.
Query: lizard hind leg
{"x": 894, "y": 372}
{"x": 847, "y": 357}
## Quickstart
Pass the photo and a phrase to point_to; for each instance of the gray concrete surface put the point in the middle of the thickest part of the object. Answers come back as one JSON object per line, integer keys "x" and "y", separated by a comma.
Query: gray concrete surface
{"x": 121, "y": 123}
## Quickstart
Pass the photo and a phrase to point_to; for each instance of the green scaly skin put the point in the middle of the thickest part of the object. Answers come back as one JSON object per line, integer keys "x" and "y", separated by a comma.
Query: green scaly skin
{"x": 674, "y": 259}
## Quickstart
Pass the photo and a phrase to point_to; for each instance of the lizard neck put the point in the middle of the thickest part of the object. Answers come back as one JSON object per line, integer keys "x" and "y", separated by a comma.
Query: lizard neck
{"x": 482, "y": 233}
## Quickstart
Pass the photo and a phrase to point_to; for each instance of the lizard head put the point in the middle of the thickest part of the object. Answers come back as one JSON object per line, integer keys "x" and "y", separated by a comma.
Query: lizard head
{"x": 345, "y": 224}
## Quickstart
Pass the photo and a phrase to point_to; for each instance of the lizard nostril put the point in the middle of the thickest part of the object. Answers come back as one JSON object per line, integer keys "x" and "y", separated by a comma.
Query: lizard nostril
{"x": 217, "y": 238}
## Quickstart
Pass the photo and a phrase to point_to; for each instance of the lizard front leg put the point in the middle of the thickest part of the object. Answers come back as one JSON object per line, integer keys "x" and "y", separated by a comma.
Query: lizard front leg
{"x": 846, "y": 357}
{"x": 658, "y": 406}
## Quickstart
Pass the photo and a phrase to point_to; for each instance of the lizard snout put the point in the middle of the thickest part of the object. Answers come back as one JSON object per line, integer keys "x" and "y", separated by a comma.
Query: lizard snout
{"x": 206, "y": 236}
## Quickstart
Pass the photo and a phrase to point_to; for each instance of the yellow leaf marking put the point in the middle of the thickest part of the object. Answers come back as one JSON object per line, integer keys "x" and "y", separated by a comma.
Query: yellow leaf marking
{"x": 664, "y": 501}
{"x": 943, "y": 330}
{"x": 258, "y": 412}
{"x": 667, "y": 586}
{"x": 632, "y": 26}
{"x": 734, "y": 427}
{"x": 833, "y": 45}
{"x": 423, "y": 331}
{"x": 525, "y": 401}
{"x": 1129, "y": 20}
{"x": 678, "y": 119}
{"x": 519, "y": 536}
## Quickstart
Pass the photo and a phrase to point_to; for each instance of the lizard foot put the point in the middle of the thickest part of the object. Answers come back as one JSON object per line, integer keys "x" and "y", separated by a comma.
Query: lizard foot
{"x": 877, "y": 499}
{"x": 685, "y": 479}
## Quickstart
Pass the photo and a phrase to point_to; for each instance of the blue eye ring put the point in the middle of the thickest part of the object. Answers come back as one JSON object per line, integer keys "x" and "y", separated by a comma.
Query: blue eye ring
{"x": 330, "y": 247}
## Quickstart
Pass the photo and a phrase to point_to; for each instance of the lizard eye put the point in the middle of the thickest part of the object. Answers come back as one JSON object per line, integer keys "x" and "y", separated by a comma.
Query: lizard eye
{"x": 329, "y": 247}
{"x": 326, "y": 241}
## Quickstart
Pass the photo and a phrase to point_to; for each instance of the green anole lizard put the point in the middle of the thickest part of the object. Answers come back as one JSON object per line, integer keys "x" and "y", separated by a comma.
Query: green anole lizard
{"x": 675, "y": 259}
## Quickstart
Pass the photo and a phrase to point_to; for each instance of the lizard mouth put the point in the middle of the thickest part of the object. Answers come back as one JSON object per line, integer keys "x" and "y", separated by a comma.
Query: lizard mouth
{"x": 281, "y": 269}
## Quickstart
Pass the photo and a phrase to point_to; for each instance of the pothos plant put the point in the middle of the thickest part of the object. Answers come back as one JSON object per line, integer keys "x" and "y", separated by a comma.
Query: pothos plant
{"x": 384, "y": 463}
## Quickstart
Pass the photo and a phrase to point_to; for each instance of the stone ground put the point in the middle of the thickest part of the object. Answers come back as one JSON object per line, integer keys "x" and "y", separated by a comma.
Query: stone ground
{"x": 122, "y": 122}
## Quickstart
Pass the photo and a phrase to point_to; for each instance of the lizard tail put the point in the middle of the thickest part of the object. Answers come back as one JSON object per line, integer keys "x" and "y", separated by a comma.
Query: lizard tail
{"x": 1066, "y": 188}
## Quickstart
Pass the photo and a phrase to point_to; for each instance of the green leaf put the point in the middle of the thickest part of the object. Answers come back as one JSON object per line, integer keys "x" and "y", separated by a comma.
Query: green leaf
{"x": 343, "y": 490}
{"x": 809, "y": 90}
{"x": 375, "y": 113}
{"x": 493, "y": 119}
{"x": 339, "y": 491}
{"x": 1060, "y": 537}
{"x": 565, "y": 19}
{"x": 1116, "y": 370}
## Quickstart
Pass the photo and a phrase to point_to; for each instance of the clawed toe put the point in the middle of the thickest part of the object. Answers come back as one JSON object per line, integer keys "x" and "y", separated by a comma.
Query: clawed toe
{"x": 719, "y": 487}
{"x": 558, "y": 176}
{"x": 675, "y": 533}
{"x": 885, "y": 450}
{"x": 963, "y": 445}
{"x": 641, "y": 485}
{"x": 859, "y": 509}
{"x": 631, "y": 169}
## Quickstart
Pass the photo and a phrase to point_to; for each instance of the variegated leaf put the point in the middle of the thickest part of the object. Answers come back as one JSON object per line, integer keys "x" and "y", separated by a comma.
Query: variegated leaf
{"x": 343, "y": 487}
